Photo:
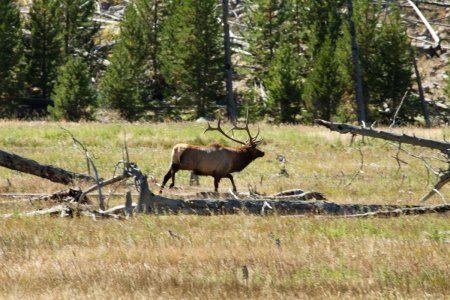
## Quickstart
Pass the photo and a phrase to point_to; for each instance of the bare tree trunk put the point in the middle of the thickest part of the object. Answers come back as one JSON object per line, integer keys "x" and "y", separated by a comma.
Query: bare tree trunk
{"x": 264, "y": 206}
{"x": 228, "y": 69}
{"x": 356, "y": 67}
{"x": 400, "y": 138}
{"x": 426, "y": 114}
{"x": 25, "y": 165}
{"x": 444, "y": 147}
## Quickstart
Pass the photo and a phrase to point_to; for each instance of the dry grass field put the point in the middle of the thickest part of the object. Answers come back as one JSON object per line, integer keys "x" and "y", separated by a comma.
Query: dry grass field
{"x": 186, "y": 257}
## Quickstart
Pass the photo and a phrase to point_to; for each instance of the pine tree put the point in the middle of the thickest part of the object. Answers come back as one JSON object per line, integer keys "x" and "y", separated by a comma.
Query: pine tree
{"x": 78, "y": 26}
{"x": 44, "y": 51}
{"x": 135, "y": 58}
{"x": 74, "y": 96}
{"x": 293, "y": 28}
{"x": 323, "y": 21}
{"x": 384, "y": 58}
{"x": 150, "y": 16}
{"x": 323, "y": 85}
{"x": 264, "y": 25}
{"x": 118, "y": 87}
{"x": 284, "y": 83}
{"x": 11, "y": 53}
{"x": 395, "y": 77}
{"x": 365, "y": 17}
{"x": 277, "y": 34}
{"x": 193, "y": 55}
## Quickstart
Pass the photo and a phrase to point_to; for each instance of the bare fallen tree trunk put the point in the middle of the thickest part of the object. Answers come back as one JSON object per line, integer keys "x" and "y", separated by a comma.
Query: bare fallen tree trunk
{"x": 444, "y": 147}
{"x": 71, "y": 204}
{"x": 444, "y": 208}
{"x": 55, "y": 174}
{"x": 55, "y": 210}
{"x": 399, "y": 138}
{"x": 430, "y": 29}
{"x": 162, "y": 205}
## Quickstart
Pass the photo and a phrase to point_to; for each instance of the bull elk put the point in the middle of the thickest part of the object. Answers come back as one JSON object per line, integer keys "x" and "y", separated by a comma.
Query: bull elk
{"x": 214, "y": 160}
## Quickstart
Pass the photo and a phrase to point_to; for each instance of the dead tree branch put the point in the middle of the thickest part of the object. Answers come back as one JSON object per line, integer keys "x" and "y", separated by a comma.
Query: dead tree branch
{"x": 361, "y": 166}
{"x": 399, "y": 138}
{"x": 90, "y": 162}
{"x": 55, "y": 174}
{"x": 444, "y": 147}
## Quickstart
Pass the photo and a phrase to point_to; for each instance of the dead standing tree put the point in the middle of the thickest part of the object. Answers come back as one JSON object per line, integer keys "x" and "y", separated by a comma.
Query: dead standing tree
{"x": 442, "y": 146}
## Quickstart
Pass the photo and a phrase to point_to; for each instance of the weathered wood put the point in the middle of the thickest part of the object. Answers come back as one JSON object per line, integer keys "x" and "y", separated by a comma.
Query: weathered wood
{"x": 430, "y": 29}
{"x": 231, "y": 206}
{"x": 444, "y": 208}
{"x": 426, "y": 113}
{"x": 436, "y": 3}
{"x": 400, "y": 138}
{"x": 231, "y": 104}
{"x": 128, "y": 205}
{"x": 25, "y": 165}
{"x": 356, "y": 67}
{"x": 162, "y": 205}
{"x": 444, "y": 177}
{"x": 295, "y": 194}
{"x": 145, "y": 202}
{"x": 104, "y": 183}
{"x": 55, "y": 210}
{"x": 443, "y": 180}
{"x": 65, "y": 196}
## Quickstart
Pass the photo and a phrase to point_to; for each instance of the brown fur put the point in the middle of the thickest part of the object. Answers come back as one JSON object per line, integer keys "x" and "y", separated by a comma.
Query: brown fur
{"x": 213, "y": 160}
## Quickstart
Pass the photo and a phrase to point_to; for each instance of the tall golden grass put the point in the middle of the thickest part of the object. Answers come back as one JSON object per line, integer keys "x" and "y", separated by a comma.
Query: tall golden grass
{"x": 185, "y": 257}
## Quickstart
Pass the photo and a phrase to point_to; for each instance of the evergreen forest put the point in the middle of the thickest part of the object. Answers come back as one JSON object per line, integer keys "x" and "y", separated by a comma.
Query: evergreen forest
{"x": 290, "y": 62}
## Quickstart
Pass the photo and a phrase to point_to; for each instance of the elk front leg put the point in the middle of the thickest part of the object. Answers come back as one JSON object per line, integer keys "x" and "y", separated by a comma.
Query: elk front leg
{"x": 216, "y": 184}
{"x": 232, "y": 182}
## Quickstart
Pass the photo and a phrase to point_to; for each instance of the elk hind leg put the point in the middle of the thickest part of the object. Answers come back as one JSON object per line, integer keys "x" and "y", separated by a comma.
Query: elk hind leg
{"x": 170, "y": 174}
{"x": 166, "y": 178}
{"x": 174, "y": 169}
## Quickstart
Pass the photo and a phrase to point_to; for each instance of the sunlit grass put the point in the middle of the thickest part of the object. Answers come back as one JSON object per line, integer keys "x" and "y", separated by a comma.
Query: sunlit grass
{"x": 203, "y": 257}
{"x": 318, "y": 257}
{"x": 317, "y": 159}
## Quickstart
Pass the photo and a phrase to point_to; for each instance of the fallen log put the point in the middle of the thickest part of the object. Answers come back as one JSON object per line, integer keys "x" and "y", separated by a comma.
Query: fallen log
{"x": 65, "y": 196}
{"x": 404, "y": 211}
{"x": 443, "y": 146}
{"x": 162, "y": 205}
{"x": 55, "y": 174}
{"x": 389, "y": 136}
{"x": 296, "y": 194}
{"x": 55, "y": 210}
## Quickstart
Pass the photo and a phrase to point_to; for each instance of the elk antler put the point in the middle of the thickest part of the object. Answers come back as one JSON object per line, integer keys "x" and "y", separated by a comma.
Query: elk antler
{"x": 219, "y": 129}
{"x": 253, "y": 141}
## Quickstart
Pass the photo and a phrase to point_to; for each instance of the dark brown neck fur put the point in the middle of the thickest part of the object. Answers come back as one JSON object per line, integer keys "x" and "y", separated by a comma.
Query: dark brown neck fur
{"x": 242, "y": 159}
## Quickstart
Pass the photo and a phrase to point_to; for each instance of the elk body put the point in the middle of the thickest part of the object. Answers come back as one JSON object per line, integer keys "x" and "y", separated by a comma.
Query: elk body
{"x": 214, "y": 160}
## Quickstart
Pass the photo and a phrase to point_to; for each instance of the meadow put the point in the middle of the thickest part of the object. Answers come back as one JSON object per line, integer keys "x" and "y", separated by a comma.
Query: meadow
{"x": 238, "y": 256}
